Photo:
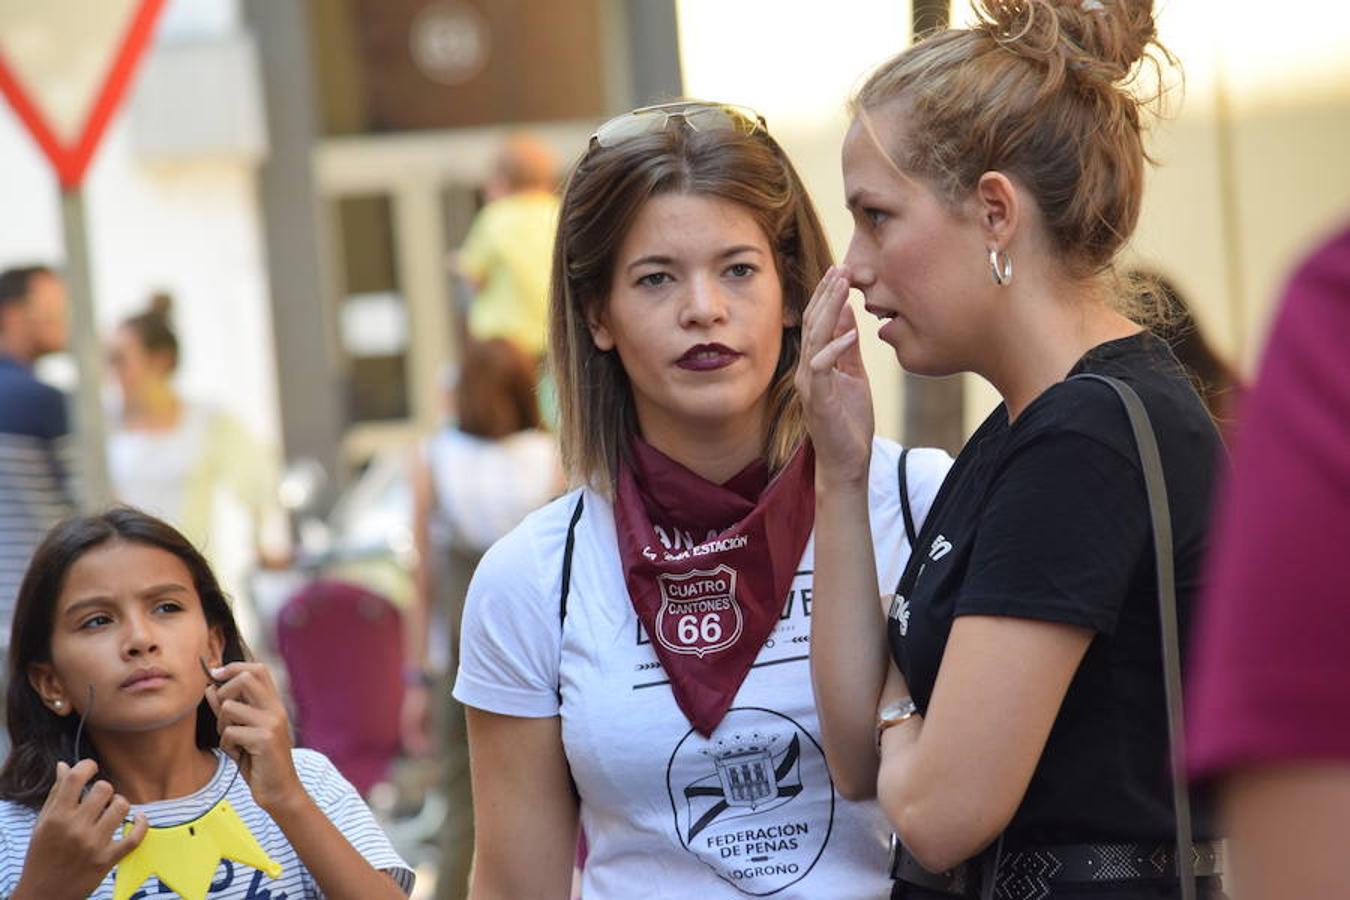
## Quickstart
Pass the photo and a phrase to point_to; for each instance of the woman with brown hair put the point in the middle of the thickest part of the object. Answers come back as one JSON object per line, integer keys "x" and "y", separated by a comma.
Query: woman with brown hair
{"x": 1010, "y": 710}
{"x": 634, "y": 655}
{"x": 472, "y": 482}
{"x": 188, "y": 461}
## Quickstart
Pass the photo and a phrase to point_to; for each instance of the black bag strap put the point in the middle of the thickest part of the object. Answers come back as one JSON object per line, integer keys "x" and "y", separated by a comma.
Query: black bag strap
{"x": 566, "y": 589}
{"x": 568, "y": 547}
{"x": 1159, "y": 513}
{"x": 903, "y": 473}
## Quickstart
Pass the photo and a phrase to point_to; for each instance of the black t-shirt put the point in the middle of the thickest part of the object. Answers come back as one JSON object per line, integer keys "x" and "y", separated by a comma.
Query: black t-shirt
{"x": 1048, "y": 519}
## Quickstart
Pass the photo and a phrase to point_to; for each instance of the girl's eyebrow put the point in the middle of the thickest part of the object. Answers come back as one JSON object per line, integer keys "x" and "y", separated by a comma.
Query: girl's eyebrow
{"x": 80, "y": 605}
{"x": 168, "y": 587}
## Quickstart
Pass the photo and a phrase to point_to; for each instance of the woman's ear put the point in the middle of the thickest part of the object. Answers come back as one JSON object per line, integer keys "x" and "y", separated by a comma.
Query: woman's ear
{"x": 600, "y": 334}
{"x": 42, "y": 678}
{"x": 998, "y": 208}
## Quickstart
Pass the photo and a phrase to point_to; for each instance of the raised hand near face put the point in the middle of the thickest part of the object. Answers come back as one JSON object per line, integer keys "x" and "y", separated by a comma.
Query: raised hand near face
{"x": 832, "y": 382}
{"x": 256, "y": 732}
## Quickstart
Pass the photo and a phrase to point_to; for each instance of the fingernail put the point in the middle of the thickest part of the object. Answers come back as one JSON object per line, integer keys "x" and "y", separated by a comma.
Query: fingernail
{"x": 218, "y": 671}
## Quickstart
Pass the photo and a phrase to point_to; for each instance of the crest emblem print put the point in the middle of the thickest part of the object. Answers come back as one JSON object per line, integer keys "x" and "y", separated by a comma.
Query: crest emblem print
{"x": 755, "y": 804}
{"x": 699, "y": 613}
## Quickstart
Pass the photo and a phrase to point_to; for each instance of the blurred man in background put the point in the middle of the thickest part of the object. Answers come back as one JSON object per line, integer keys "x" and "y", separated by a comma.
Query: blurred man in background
{"x": 35, "y": 467}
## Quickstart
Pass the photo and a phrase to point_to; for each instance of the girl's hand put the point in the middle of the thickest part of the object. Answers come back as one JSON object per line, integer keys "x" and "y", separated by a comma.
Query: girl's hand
{"x": 833, "y": 385}
{"x": 72, "y": 848}
{"x": 256, "y": 732}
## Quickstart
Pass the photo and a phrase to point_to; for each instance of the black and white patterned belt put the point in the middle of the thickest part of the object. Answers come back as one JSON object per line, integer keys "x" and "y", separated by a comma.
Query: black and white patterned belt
{"x": 1029, "y": 874}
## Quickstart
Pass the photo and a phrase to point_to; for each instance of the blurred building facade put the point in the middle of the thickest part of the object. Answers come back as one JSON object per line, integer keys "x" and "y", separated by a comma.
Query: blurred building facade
{"x": 295, "y": 171}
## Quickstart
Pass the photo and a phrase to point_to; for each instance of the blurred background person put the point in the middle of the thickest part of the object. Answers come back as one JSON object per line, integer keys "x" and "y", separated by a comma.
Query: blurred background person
{"x": 1271, "y": 694}
{"x": 506, "y": 255}
{"x": 178, "y": 458}
{"x": 35, "y": 461}
{"x": 1216, "y": 380}
{"x": 473, "y": 481}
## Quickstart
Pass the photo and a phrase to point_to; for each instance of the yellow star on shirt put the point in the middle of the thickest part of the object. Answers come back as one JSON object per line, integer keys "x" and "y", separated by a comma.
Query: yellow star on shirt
{"x": 185, "y": 857}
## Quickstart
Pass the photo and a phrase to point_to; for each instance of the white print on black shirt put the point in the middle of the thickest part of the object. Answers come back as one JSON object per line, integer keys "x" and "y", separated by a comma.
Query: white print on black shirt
{"x": 940, "y": 548}
{"x": 741, "y": 800}
{"x": 900, "y": 613}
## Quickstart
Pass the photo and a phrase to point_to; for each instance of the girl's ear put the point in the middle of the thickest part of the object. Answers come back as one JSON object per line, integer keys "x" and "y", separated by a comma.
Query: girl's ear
{"x": 42, "y": 678}
{"x": 216, "y": 641}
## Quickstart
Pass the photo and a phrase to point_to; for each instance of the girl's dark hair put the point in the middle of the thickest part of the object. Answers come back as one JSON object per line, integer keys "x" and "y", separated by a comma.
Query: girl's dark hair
{"x": 153, "y": 330}
{"x": 495, "y": 394}
{"x": 39, "y": 737}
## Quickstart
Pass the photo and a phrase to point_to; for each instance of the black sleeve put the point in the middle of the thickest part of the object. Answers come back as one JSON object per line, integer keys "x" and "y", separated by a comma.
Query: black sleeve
{"x": 1060, "y": 536}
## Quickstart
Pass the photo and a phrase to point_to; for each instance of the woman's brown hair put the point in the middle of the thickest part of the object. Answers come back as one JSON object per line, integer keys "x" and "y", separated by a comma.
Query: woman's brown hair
{"x": 153, "y": 329}
{"x": 604, "y": 194}
{"x": 495, "y": 395}
{"x": 1038, "y": 90}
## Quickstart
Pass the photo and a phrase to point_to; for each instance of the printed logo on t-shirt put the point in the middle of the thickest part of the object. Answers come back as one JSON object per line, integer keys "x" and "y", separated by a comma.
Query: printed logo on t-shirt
{"x": 678, "y": 544}
{"x": 699, "y": 613}
{"x": 899, "y": 611}
{"x": 940, "y": 548}
{"x": 755, "y": 803}
{"x": 228, "y": 880}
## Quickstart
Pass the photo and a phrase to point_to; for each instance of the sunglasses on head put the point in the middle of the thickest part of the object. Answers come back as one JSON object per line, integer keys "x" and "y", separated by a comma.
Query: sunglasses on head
{"x": 696, "y": 115}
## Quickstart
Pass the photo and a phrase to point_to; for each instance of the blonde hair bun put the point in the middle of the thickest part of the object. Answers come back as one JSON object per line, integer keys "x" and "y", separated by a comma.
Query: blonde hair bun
{"x": 1098, "y": 41}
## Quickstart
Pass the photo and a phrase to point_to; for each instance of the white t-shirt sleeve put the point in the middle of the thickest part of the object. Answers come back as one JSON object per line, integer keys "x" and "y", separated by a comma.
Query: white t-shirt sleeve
{"x": 344, "y": 807}
{"x": 511, "y": 637}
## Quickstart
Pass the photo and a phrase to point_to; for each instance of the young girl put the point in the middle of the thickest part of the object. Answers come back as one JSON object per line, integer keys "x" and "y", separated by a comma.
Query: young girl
{"x": 994, "y": 173}
{"x": 131, "y": 700}
{"x": 635, "y": 653}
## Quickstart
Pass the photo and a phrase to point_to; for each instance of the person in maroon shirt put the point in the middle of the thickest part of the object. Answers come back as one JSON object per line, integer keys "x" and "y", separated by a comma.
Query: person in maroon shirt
{"x": 1270, "y": 699}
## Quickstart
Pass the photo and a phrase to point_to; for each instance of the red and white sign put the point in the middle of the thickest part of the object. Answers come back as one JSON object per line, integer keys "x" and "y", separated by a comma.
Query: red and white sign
{"x": 65, "y": 66}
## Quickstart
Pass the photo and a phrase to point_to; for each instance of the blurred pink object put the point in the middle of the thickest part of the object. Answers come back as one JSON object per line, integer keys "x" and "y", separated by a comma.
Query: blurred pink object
{"x": 1272, "y": 666}
{"x": 343, "y": 649}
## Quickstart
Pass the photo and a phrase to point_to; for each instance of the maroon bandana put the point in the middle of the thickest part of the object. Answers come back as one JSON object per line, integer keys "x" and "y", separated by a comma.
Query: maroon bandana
{"x": 708, "y": 566}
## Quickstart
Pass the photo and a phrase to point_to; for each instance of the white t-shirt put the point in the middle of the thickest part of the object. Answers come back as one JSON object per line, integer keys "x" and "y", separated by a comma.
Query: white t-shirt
{"x": 668, "y": 813}
{"x": 235, "y": 881}
{"x": 485, "y": 487}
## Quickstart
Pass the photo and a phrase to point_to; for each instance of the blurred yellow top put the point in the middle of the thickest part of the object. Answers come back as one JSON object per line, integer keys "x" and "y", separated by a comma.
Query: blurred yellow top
{"x": 507, "y": 254}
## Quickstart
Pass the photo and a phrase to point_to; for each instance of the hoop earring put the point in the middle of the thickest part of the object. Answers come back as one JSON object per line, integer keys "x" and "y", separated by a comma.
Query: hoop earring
{"x": 1000, "y": 264}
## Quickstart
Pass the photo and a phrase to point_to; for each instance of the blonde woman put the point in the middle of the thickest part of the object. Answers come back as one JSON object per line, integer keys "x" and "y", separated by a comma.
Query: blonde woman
{"x": 1009, "y": 712}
